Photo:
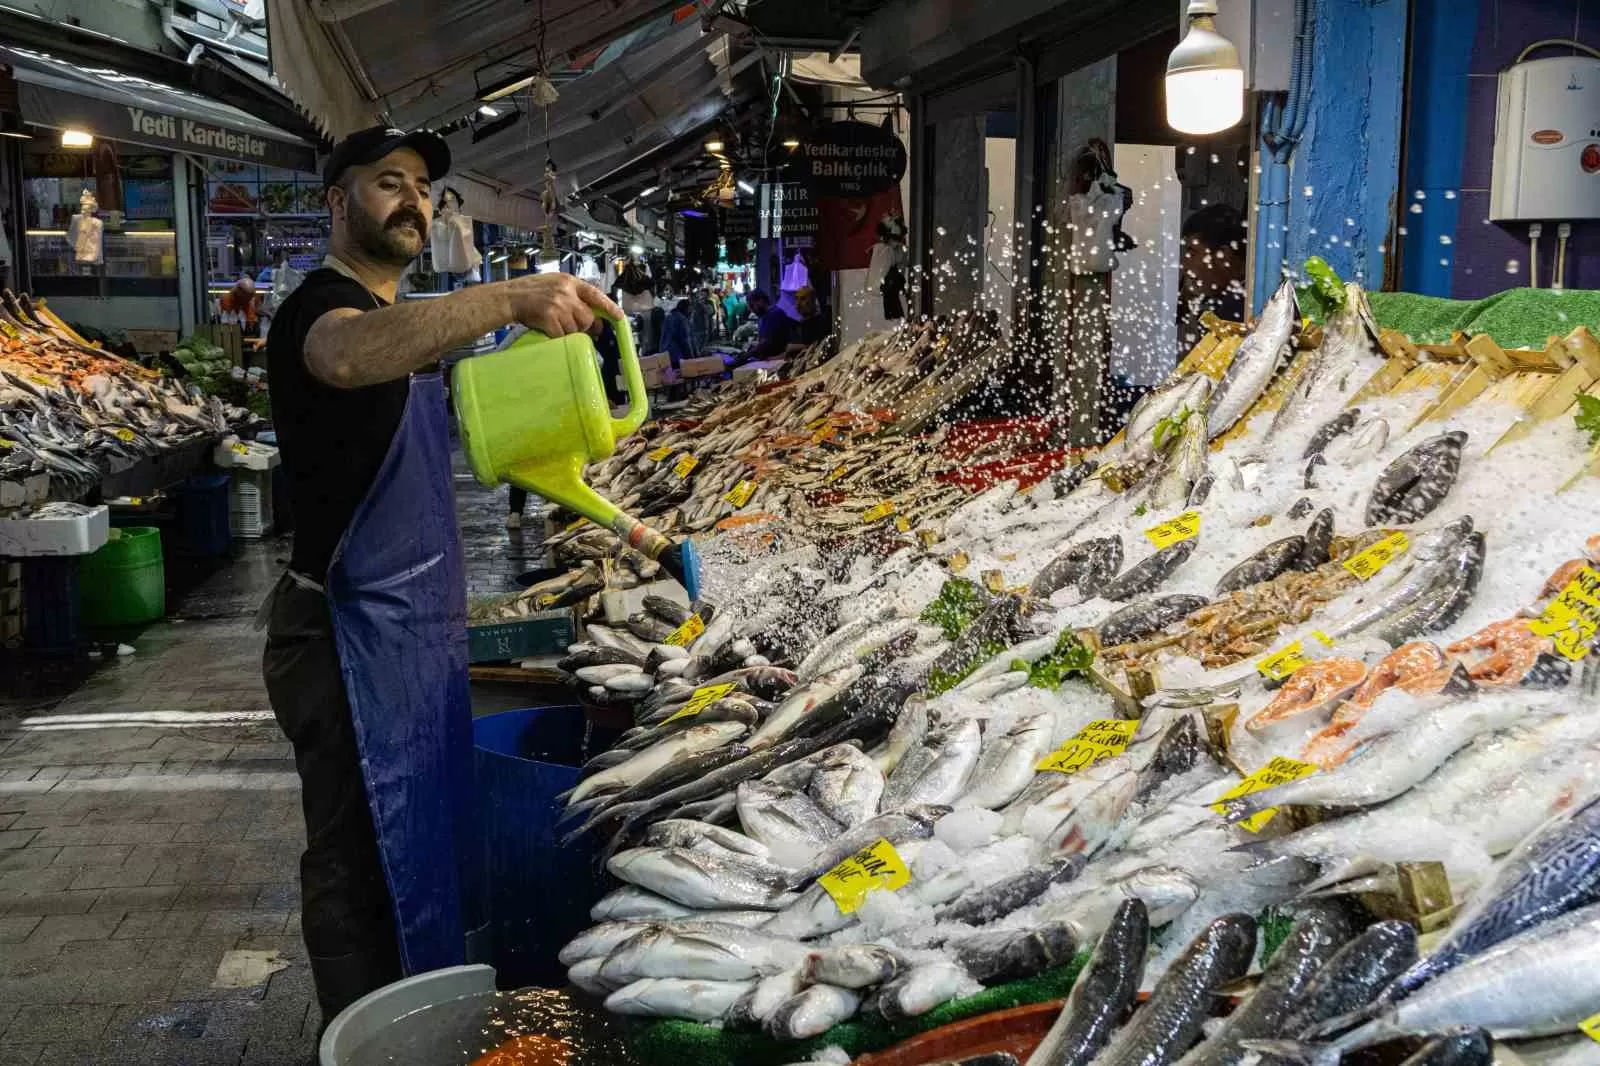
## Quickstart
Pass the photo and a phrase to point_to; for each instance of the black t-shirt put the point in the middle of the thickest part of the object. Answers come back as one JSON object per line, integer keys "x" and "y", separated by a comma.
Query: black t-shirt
{"x": 332, "y": 440}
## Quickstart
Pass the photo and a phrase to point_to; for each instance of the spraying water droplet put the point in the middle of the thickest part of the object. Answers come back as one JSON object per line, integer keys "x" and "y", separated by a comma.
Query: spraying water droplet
{"x": 1416, "y": 209}
{"x": 1445, "y": 239}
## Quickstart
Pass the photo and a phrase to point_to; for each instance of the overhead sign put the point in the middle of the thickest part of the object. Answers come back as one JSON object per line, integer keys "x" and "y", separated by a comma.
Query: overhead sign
{"x": 157, "y": 129}
{"x": 788, "y": 210}
{"x": 851, "y": 159}
{"x": 737, "y": 223}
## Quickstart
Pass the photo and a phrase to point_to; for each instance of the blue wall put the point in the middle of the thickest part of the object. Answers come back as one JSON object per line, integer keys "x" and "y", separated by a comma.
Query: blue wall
{"x": 1458, "y": 49}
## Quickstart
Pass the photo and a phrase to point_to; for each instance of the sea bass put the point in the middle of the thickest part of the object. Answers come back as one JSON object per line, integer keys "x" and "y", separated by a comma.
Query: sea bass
{"x": 704, "y": 881}
{"x": 1255, "y": 363}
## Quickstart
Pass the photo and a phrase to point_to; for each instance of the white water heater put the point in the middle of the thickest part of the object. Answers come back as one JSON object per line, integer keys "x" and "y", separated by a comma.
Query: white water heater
{"x": 1547, "y": 142}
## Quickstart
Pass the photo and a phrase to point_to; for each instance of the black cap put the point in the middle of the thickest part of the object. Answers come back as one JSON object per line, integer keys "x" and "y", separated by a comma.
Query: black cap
{"x": 372, "y": 144}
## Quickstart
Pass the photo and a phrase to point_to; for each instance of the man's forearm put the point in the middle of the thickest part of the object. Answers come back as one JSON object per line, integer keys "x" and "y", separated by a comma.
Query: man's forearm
{"x": 351, "y": 350}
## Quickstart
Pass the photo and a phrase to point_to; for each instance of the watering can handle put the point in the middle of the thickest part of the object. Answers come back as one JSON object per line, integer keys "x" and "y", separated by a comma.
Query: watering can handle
{"x": 638, "y": 399}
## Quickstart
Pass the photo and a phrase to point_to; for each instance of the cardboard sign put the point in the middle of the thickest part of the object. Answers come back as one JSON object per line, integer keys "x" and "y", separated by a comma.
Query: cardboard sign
{"x": 701, "y": 698}
{"x": 877, "y": 868}
{"x": 687, "y": 633}
{"x": 1366, "y": 563}
{"x": 1176, "y": 530}
{"x": 1095, "y": 742}
{"x": 1279, "y": 771}
{"x": 1573, "y": 617}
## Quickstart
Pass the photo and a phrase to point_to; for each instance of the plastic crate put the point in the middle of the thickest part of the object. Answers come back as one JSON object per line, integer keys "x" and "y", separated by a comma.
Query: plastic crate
{"x": 50, "y": 617}
{"x": 204, "y": 528}
{"x": 250, "y": 503}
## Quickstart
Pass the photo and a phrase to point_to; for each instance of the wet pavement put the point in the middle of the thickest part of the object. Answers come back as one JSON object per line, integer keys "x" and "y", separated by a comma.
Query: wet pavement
{"x": 150, "y": 834}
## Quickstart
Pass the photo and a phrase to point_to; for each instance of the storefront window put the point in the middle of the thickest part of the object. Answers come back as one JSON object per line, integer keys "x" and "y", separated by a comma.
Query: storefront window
{"x": 136, "y": 253}
{"x": 257, "y": 217}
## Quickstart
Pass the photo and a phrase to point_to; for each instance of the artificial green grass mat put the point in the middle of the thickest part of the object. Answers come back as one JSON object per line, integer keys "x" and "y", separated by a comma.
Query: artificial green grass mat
{"x": 677, "y": 1043}
{"x": 1517, "y": 318}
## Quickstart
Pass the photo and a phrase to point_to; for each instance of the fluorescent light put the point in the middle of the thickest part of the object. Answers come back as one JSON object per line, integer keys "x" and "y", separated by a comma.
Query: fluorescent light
{"x": 489, "y": 112}
{"x": 791, "y": 143}
{"x": 647, "y": 192}
{"x": 507, "y": 89}
{"x": 1205, "y": 83}
{"x": 76, "y": 138}
{"x": 747, "y": 187}
{"x": 633, "y": 249}
{"x": 714, "y": 145}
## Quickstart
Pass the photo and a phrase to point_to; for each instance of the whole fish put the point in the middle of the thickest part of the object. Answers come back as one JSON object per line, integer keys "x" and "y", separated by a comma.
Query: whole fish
{"x": 732, "y": 709}
{"x": 704, "y": 881}
{"x": 686, "y": 833}
{"x": 1160, "y": 405}
{"x": 1165, "y": 892}
{"x": 1255, "y": 363}
{"x": 1426, "y": 565}
{"x": 954, "y": 749}
{"x": 698, "y": 1001}
{"x": 685, "y": 768}
{"x": 922, "y": 989}
{"x": 1349, "y": 336}
{"x": 1139, "y": 620}
{"x": 1087, "y": 565}
{"x": 1089, "y": 826}
{"x": 1145, "y": 577}
{"x": 1538, "y": 983}
{"x": 601, "y": 940}
{"x": 1014, "y": 955}
{"x": 1319, "y": 542}
{"x": 812, "y": 1012}
{"x": 1554, "y": 871}
{"x": 703, "y": 951}
{"x": 1468, "y": 1047}
{"x": 1355, "y": 975}
{"x": 1184, "y": 467}
{"x": 833, "y": 642}
{"x": 757, "y": 1005}
{"x": 1312, "y": 941}
{"x": 1029, "y": 651}
{"x": 633, "y": 903}
{"x": 897, "y": 827}
{"x": 1418, "y": 481}
{"x": 983, "y": 905}
{"x": 1103, "y": 993}
{"x": 1276, "y": 558}
{"x": 905, "y": 736}
{"x": 853, "y": 966}
{"x": 801, "y": 701}
{"x": 1008, "y": 761}
{"x": 691, "y": 741}
{"x": 789, "y": 823}
{"x": 1168, "y": 1023}
{"x": 1440, "y": 607}
{"x": 846, "y": 785}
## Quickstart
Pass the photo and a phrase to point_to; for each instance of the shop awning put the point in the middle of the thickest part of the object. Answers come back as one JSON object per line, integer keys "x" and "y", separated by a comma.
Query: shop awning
{"x": 56, "y": 93}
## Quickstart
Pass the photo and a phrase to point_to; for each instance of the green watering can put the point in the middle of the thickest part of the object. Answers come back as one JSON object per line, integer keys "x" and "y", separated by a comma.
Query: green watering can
{"x": 535, "y": 413}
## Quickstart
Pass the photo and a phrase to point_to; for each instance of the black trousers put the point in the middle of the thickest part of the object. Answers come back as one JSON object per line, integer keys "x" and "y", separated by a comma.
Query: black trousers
{"x": 347, "y": 916}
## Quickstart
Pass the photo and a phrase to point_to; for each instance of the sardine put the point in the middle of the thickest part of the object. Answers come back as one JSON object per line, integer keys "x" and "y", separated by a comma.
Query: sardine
{"x": 1145, "y": 577}
{"x": 1255, "y": 363}
{"x": 1276, "y": 558}
{"x": 1418, "y": 481}
{"x": 1103, "y": 993}
{"x": 1168, "y": 1023}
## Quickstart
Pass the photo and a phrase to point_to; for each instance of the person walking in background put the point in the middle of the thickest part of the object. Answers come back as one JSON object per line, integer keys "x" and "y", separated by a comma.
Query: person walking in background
{"x": 734, "y": 310}
{"x": 677, "y": 338}
{"x": 700, "y": 321}
{"x": 815, "y": 323}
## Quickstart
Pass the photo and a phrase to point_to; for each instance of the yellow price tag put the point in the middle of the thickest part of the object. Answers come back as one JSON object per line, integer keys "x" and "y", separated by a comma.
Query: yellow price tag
{"x": 825, "y": 433}
{"x": 818, "y": 424}
{"x": 241, "y": 449}
{"x": 701, "y": 698}
{"x": 40, "y": 379}
{"x": 1283, "y": 662}
{"x": 1280, "y": 771}
{"x": 123, "y": 434}
{"x": 685, "y": 466}
{"x": 878, "y": 513}
{"x": 1097, "y": 741}
{"x": 655, "y": 455}
{"x": 9, "y": 330}
{"x": 135, "y": 501}
{"x": 1573, "y": 617}
{"x": 570, "y": 526}
{"x": 1366, "y": 563}
{"x": 5, "y": 443}
{"x": 877, "y": 868}
{"x": 1322, "y": 638}
{"x": 835, "y": 474}
{"x": 903, "y": 524}
{"x": 1590, "y": 1027}
{"x": 687, "y": 633}
{"x": 1179, "y": 529}
{"x": 740, "y": 494}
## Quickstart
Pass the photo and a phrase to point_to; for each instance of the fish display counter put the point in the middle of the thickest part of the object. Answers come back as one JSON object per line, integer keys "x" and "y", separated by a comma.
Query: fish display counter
{"x": 1284, "y": 698}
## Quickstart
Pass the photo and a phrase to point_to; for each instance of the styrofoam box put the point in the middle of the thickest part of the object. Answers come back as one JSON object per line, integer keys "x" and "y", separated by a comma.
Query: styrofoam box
{"x": 56, "y": 536}
{"x": 238, "y": 455}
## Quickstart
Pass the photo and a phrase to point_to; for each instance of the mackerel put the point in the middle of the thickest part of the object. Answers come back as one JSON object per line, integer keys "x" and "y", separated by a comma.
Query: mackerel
{"x": 1103, "y": 993}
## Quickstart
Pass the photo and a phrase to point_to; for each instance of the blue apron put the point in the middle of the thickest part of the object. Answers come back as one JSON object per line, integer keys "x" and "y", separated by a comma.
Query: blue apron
{"x": 397, "y": 596}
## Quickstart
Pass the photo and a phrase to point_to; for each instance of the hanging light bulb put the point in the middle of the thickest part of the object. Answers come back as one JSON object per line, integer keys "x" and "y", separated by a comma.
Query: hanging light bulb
{"x": 1205, "y": 83}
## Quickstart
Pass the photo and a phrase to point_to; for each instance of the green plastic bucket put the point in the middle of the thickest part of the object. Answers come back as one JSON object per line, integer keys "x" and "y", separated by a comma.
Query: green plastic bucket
{"x": 124, "y": 583}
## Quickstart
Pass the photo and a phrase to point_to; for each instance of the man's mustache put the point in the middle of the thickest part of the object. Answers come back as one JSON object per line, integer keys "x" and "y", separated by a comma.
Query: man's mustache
{"x": 407, "y": 217}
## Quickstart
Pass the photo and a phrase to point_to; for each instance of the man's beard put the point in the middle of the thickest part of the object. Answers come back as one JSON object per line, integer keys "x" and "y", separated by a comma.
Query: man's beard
{"x": 396, "y": 241}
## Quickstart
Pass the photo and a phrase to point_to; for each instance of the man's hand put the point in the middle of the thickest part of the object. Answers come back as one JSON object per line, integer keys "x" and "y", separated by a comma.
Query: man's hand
{"x": 557, "y": 304}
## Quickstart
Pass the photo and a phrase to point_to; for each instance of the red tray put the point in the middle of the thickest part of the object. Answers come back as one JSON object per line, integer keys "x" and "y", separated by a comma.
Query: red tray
{"x": 1018, "y": 1031}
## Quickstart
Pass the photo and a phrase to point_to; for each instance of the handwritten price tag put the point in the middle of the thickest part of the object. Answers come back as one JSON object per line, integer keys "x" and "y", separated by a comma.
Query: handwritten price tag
{"x": 1322, "y": 638}
{"x": 835, "y": 474}
{"x": 877, "y": 868}
{"x": 685, "y": 465}
{"x": 1366, "y": 563}
{"x": 124, "y": 435}
{"x": 817, "y": 424}
{"x": 1590, "y": 1027}
{"x": 903, "y": 524}
{"x": 740, "y": 494}
{"x": 1279, "y": 771}
{"x": 825, "y": 433}
{"x": 701, "y": 698}
{"x": 1095, "y": 742}
{"x": 656, "y": 455}
{"x": 1179, "y": 529}
{"x": 10, "y": 331}
{"x": 878, "y": 513}
{"x": 1283, "y": 662}
{"x": 1573, "y": 617}
{"x": 687, "y": 633}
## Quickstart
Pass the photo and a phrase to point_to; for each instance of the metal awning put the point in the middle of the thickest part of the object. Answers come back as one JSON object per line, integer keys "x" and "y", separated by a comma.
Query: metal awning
{"x": 56, "y": 93}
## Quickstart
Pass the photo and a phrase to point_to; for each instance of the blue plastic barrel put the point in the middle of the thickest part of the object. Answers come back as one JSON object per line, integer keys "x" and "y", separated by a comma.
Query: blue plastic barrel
{"x": 538, "y": 893}
{"x": 204, "y": 530}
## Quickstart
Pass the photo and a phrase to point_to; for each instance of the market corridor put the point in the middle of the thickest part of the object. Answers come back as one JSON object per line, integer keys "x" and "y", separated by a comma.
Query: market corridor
{"x": 149, "y": 841}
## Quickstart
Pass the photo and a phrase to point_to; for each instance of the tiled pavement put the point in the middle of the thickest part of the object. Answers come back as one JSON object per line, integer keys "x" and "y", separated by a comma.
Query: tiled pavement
{"x": 148, "y": 868}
